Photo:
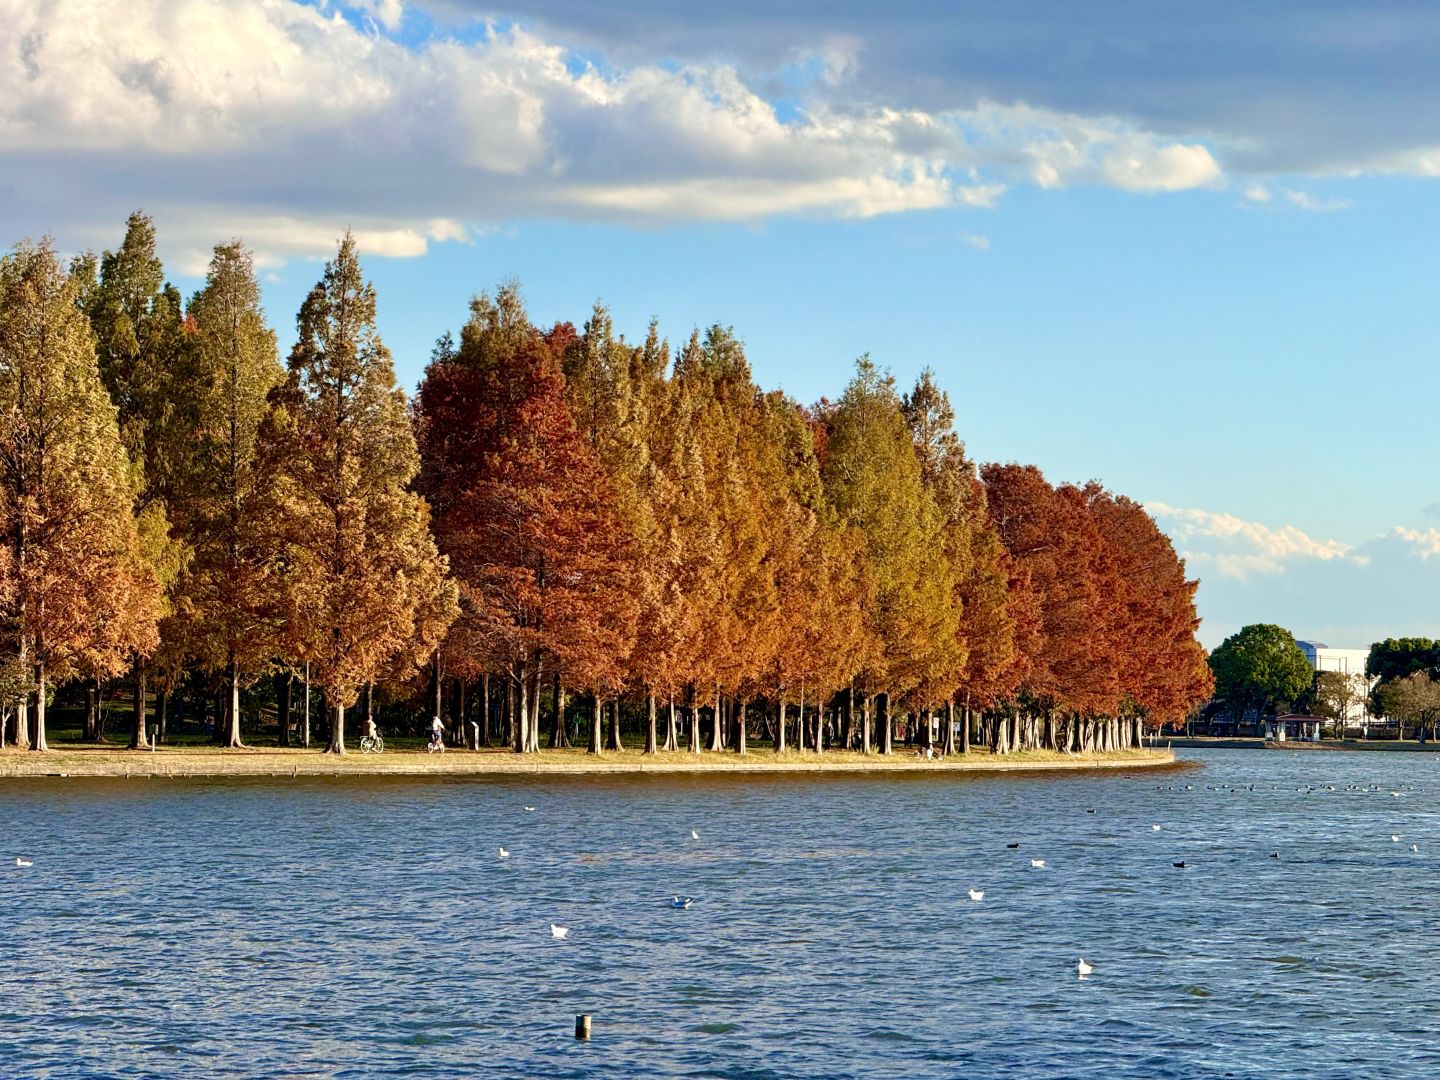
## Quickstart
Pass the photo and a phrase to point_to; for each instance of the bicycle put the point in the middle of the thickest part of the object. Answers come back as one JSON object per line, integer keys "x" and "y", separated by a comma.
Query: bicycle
{"x": 372, "y": 746}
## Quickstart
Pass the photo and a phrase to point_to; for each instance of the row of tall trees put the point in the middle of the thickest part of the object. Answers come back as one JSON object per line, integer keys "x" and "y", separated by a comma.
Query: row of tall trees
{"x": 173, "y": 497}
{"x": 627, "y": 523}
{"x": 560, "y": 514}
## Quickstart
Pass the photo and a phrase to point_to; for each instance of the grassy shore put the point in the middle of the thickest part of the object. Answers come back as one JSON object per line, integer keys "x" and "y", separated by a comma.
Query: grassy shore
{"x": 276, "y": 761}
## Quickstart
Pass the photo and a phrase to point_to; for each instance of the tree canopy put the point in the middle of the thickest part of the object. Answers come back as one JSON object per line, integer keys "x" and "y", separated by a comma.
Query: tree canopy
{"x": 559, "y": 509}
{"x": 1260, "y": 665}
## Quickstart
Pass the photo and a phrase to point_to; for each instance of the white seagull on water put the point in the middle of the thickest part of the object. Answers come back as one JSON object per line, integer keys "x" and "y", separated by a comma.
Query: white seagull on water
{"x": 977, "y": 895}
{"x": 694, "y": 835}
{"x": 558, "y": 932}
{"x": 23, "y": 862}
{"x": 504, "y": 854}
{"x": 1395, "y": 838}
{"x": 1155, "y": 828}
{"x": 1083, "y": 968}
{"x": 1037, "y": 864}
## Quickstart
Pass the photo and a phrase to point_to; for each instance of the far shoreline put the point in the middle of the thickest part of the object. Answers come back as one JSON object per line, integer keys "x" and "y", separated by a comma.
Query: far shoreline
{"x": 166, "y": 763}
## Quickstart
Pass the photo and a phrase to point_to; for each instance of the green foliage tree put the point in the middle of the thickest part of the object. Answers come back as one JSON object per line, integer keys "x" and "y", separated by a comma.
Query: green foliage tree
{"x": 873, "y": 481}
{"x": 1260, "y": 665}
{"x": 227, "y": 612}
{"x": 137, "y": 318}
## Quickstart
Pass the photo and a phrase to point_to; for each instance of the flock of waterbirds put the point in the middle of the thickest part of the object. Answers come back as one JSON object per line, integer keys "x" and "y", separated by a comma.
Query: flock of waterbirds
{"x": 1082, "y": 967}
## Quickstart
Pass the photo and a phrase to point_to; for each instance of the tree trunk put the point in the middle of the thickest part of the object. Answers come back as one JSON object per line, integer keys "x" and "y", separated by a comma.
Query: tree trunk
{"x": 819, "y": 730}
{"x": 284, "y": 681}
{"x": 716, "y": 743}
{"x": 887, "y": 727}
{"x": 37, "y": 739}
{"x": 22, "y": 705}
{"x": 615, "y": 743}
{"x": 740, "y": 728}
{"x": 232, "y": 719}
{"x": 780, "y": 726}
{"x": 485, "y": 709}
{"x": 866, "y": 730}
{"x": 651, "y": 732}
{"x": 522, "y": 720}
{"x": 559, "y": 738}
{"x": 694, "y": 723}
{"x": 139, "y": 737}
{"x": 306, "y": 732}
{"x": 849, "y": 706}
{"x": 91, "y": 730}
{"x": 337, "y": 729}
{"x": 162, "y": 713}
{"x": 947, "y": 744}
{"x": 672, "y": 732}
{"x": 597, "y": 721}
{"x": 533, "y": 728}
{"x": 437, "y": 692}
{"x": 800, "y": 740}
{"x": 507, "y": 714}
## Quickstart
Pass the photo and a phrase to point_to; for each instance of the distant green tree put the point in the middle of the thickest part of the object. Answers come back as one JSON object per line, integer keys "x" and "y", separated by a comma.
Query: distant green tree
{"x": 1394, "y": 658}
{"x": 1262, "y": 666}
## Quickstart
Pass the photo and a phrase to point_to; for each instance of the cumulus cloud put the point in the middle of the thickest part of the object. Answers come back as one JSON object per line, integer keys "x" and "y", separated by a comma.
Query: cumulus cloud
{"x": 1294, "y": 88}
{"x": 286, "y": 122}
{"x": 1425, "y": 542}
{"x": 1346, "y": 594}
{"x": 1238, "y": 548}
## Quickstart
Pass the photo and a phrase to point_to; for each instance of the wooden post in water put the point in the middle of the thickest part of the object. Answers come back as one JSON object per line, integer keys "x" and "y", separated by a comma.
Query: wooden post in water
{"x": 582, "y": 1025}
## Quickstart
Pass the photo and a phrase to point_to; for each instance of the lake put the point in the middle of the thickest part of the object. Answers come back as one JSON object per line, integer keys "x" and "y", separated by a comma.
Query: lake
{"x": 355, "y": 928}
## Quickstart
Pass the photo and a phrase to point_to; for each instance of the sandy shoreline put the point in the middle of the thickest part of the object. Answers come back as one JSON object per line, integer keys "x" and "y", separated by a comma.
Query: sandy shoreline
{"x": 275, "y": 762}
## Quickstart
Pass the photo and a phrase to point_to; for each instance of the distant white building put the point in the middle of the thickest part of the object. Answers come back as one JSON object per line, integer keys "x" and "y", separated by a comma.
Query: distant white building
{"x": 1349, "y": 662}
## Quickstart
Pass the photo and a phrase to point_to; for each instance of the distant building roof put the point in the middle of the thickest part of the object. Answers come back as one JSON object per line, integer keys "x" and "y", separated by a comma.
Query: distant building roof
{"x": 1312, "y": 644}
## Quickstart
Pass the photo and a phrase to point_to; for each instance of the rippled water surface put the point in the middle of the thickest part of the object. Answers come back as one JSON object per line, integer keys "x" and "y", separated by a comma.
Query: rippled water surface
{"x": 341, "y": 928}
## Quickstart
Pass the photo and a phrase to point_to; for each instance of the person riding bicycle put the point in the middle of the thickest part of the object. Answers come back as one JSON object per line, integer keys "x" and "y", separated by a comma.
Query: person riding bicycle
{"x": 371, "y": 731}
{"x": 437, "y": 733}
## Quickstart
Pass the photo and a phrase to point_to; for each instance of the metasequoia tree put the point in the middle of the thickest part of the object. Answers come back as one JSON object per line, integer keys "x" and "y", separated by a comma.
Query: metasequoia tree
{"x": 873, "y": 482}
{"x": 1160, "y": 666}
{"x": 137, "y": 318}
{"x": 79, "y": 594}
{"x": 359, "y": 563}
{"x": 224, "y": 503}
{"x": 1070, "y": 665}
{"x": 523, "y": 511}
{"x": 984, "y": 668}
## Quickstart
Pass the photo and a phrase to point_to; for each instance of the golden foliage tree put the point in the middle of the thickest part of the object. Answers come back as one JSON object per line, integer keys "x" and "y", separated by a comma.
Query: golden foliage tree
{"x": 80, "y": 594}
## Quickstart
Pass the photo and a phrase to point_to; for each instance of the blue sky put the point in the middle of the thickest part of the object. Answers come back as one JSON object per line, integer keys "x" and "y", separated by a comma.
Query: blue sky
{"x": 1193, "y": 258}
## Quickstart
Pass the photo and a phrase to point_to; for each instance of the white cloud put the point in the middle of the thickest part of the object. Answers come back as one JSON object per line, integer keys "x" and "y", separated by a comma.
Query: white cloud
{"x": 389, "y": 13}
{"x": 1425, "y": 542}
{"x": 976, "y": 241}
{"x": 1314, "y": 204}
{"x": 283, "y": 122}
{"x": 1237, "y": 548}
{"x": 1257, "y": 193}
